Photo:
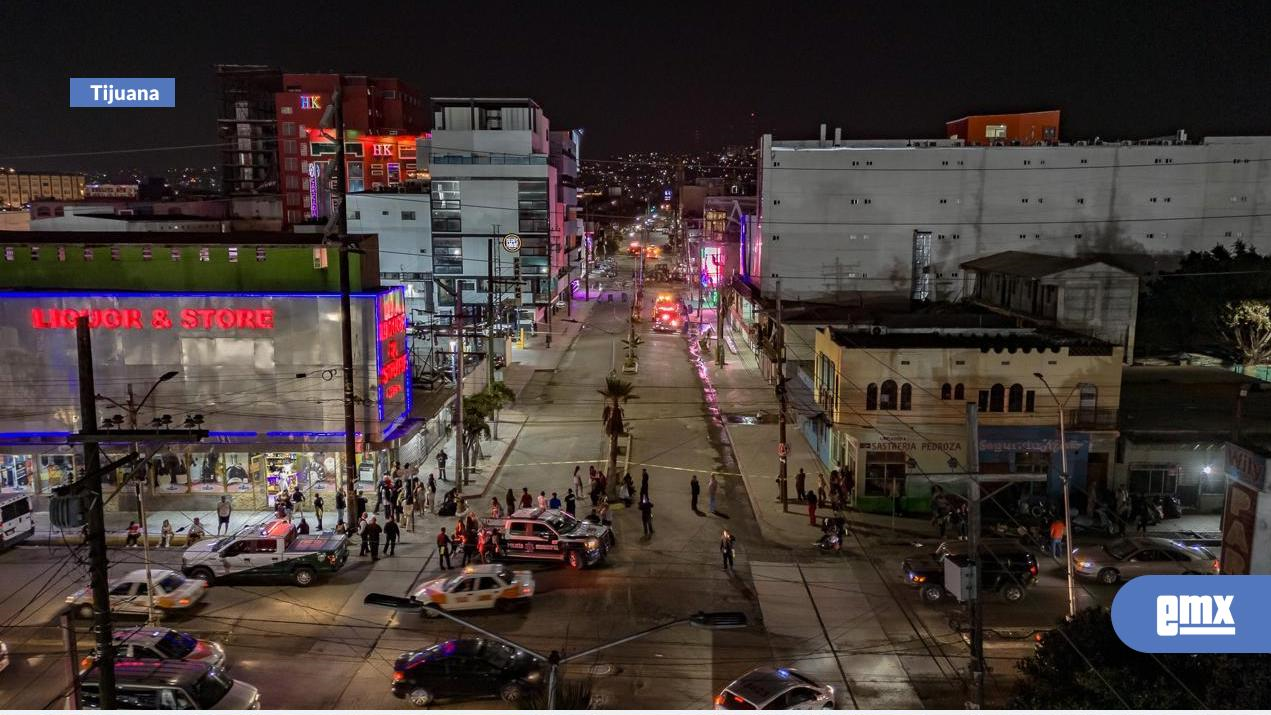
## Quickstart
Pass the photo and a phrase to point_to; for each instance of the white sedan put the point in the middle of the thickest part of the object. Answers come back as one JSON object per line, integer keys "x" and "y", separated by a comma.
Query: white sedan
{"x": 477, "y": 587}
{"x": 129, "y": 594}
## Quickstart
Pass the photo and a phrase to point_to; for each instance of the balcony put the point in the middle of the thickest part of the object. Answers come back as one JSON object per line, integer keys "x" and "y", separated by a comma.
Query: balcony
{"x": 1091, "y": 418}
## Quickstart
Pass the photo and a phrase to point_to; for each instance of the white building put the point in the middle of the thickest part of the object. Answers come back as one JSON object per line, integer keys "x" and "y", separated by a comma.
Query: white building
{"x": 841, "y": 219}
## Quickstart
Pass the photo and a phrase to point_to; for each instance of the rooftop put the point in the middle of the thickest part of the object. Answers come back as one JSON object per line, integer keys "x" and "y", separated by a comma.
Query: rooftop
{"x": 1036, "y": 265}
{"x": 1187, "y": 402}
{"x": 984, "y": 339}
{"x": 194, "y": 238}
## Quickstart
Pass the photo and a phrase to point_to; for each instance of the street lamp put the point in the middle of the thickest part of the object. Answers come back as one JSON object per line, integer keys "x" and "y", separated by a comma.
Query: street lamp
{"x": 713, "y": 621}
{"x": 1063, "y": 474}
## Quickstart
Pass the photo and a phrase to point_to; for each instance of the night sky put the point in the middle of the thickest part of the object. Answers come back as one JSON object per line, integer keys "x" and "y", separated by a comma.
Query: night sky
{"x": 648, "y": 76}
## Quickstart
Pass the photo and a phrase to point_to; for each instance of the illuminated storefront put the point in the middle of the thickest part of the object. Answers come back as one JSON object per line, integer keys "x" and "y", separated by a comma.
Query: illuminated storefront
{"x": 262, "y": 369}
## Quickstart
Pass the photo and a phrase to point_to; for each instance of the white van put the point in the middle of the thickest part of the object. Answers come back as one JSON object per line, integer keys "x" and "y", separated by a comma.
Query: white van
{"x": 16, "y": 523}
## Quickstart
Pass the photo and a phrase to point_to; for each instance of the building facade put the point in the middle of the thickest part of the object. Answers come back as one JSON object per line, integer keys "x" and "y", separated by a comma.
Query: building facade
{"x": 891, "y": 408}
{"x": 19, "y": 188}
{"x": 247, "y": 128}
{"x": 1023, "y": 128}
{"x": 844, "y": 220}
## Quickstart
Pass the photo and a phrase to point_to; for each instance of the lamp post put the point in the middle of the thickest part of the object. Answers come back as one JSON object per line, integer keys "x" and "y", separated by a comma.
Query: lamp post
{"x": 714, "y": 621}
{"x": 133, "y": 409}
{"x": 1064, "y": 478}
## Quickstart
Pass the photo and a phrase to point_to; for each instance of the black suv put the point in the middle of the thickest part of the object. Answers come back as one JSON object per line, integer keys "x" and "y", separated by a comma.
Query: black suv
{"x": 465, "y": 668}
{"x": 1006, "y": 568}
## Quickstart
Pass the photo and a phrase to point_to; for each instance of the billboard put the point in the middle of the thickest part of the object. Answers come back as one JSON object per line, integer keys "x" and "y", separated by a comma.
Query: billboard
{"x": 257, "y": 366}
{"x": 1246, "y": 543}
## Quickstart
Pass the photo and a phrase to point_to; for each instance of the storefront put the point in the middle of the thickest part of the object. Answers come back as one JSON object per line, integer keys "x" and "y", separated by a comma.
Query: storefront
{"x": 261, "y": 370}
{"x": 894, "y": 471}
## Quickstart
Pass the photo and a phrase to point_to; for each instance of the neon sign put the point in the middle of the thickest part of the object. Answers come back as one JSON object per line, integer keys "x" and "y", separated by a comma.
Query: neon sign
{"x": 155, "y": 319}
{"x": 315, "y": 172}
{"x": 311, "y": 101}
{"x": 392, "y": 361}
{"x": 381, "y": 150}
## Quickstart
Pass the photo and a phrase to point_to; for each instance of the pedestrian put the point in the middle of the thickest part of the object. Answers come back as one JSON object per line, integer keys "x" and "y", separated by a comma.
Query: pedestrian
{"x": 469, "y": 546}
{"x": 397, "y": 471}
{"x": 1123, "y": 502}
{"x": 602, "y": 511}
{"x": 624, "y": 493}
{"x": 399, "y": 503}
{"x": 510, "y": 501}
{"x": 391, "y": 533}
{"x": 360, "y": 504}
{"x": 408, "y": 488}
{"x": 223, "y": 510}
{"x": 810, "y": 498}
{"x": 822, "y": 489}
{"x": 1142, "y": 523}
{"x": 578, "y": 480}
{"x": 430, "y": 494}
{"x": 379, "y": 494}
{"x": 340, "y": 505}
{"x": 443, "y": 549}
{"x": 542, "y": 500}
{"x": 303, "y": 526}
{"x": 800, "y": 483}
{"x": 318, "y": 504}
{"x": 726, "y": 548}
{"x": 646, "y": 515}
{"x": 712, "y": 489}
{"x": 296, "y": 497}
{"x": 373, "y": 532}
{"x": 196, "y": 532}
{"x": 166, "y": 534}
{"x": 554, "y": 502}
{"x": 496, "y": 509}
{"x": 134, "y": 534}
{"x": 644, "y": 483}
{"x": 362, "y": 534}
{"x": 441, "y": 464}
{"x": 571, "y": 502}
{"x": 527, "y": 501}
{"x": 694, "y": 489}
{"x": 1056, "y": 536}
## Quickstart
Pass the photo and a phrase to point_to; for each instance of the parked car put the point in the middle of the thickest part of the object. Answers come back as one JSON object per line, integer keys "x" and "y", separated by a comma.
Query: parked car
{"x": 1007, "y": 569}
{"x": 172, "y": 592}
{"x": 1126, "y": 558}
{"x": 160, "y": 644}
{"x": 16, "y": 522}
{"x": 477, "y": 587}
{"x": 468, "y": 668}
{"x": 4, "y": 656}
{"x": 170, "y": 685}
{"x": 768, "y": 688}
{"x": 273, "y": 551}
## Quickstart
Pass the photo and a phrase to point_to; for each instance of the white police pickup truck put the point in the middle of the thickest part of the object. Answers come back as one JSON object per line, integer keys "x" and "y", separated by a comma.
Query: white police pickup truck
{"x": 551, "y": 535}
{"x": 271, "y": 551}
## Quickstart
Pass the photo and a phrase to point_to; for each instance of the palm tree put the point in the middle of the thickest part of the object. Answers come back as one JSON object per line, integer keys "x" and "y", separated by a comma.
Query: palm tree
{"x": 475, "y": 427}
{"x": 616, "y": 393}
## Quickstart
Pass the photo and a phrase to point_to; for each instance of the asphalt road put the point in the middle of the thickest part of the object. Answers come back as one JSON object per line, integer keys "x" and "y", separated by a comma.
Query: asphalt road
{"x": 847, "y": 618}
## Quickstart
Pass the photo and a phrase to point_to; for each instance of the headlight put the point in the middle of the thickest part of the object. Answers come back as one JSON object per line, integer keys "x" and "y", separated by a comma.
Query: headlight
{"x": 533, "y": 677}
{"x": 1084, "y": 564}
{"x": 593, "y": 544}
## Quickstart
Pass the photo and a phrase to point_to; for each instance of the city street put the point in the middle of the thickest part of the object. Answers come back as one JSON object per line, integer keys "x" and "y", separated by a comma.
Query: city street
{"x": 845, "y": 618}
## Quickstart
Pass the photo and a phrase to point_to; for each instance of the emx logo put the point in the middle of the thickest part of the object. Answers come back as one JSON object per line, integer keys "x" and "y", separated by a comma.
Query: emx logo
{"x": 1194, "y": 614}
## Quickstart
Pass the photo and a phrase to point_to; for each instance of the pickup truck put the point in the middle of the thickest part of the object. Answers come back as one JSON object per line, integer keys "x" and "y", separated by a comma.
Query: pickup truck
{"x": 271, "y": 551}
{"x": 551, "y": 535}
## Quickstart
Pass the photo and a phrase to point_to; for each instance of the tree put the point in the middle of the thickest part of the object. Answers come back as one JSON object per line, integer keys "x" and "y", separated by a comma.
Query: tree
{"x": 1248, "y": 332}
{"x": 617, "y": 393}
{"x": 500, "y": 396}
{"x": 1083, "y": 665}
{"x": 475, "y": 427}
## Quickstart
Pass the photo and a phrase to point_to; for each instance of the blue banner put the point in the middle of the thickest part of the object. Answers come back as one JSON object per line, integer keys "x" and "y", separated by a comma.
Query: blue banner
{"x": 1194, "y": 614}
{"x": 121, "y": 92}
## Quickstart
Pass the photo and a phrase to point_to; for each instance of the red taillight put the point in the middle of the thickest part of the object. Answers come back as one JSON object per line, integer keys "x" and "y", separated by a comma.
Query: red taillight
{"x": 1032, "y": 569}
{"x": 719, "y": 699}
{"x": 86, "y": 663}
{"x": 398, "y": 676}
{"x": 1217, "y": 566}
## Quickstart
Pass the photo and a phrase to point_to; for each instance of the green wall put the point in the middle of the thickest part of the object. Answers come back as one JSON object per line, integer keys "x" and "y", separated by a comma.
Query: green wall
{"x": 285, "y": 268}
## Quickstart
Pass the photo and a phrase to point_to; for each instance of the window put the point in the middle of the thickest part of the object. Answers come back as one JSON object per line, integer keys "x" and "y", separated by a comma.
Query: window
{"x": 408, "y": 215}
{"x": 174, "y": 253}
{"x": 995, "y": 131}
{"x": 906, "y": 396}
{"x": 260, "y": 254}
{"x": 946, "y": 391}
{"x": 984, "y": 400}
{"x": 292, "y": 164}
{"x": 1151, "y": 479}
{"x": 1015, "y": 399}
{"x": 1030, "y": 401}
{"x": 205, "y": 254}
{"x": 1032, "y": 463}
{"x": 35, "y": 253}
{"x": 88, "y": 253}
{"x": 996, "y": 397}
{"x": 233, "y": 254}
{"x": 289, "y": 146}
{"x": 871, "y": 396}
{"x": 447, "y": 255}
{"x": 531, "y": 200}
{"x": 888, "y": 397}
{"x": 288, "y": 129}
{"x": 958, "y": 392}
{"x": 446, "y": 206}
{"x": 884, "y": 473}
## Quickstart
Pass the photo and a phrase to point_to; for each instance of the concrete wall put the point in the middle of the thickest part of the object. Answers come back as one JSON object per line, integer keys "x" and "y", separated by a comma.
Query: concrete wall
{"x": 841, "y": 220}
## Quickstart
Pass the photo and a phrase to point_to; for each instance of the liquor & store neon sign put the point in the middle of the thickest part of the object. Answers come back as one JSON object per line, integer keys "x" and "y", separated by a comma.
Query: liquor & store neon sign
{"x": 155, "y": 318}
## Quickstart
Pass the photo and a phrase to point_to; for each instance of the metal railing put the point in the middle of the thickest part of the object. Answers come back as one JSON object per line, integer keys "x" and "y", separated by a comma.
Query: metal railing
{"x": 1090, "y": 418}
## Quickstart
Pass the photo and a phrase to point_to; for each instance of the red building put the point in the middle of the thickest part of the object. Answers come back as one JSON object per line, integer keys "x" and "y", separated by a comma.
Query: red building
{"x": 1020, "y": 128}
{"x": 383, "y": 117}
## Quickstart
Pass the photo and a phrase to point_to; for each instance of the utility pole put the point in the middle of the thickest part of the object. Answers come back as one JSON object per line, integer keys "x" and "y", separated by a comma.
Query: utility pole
{"x": 1063, "y": 477}
{"x": 973, "y": 561}
{"x": 489, "y": 308}
{"x": 461, "y": 473}
{"x": 782, "y": 451}
{"x": 98, "y": 567}
{"x": 346, "y": 307}
{"x": 71, "y": 644}
{"x": 587, "y": 243}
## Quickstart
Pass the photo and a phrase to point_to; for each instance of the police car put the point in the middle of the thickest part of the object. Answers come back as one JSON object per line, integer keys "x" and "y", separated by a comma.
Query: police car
{"x": 172, "y": 592}
{"x": 477, "y": 587}
{"x": 552, "y": 535}
{"x": 273, "y": 551}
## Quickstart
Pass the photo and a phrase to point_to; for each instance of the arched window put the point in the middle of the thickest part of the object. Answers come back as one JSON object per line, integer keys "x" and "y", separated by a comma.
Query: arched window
{"x": 996, "y": 395}
{"x": 1015, "y": 399}
{"x": 946, "y": 391}
{"x": 906, "y": 396}
{"x": 958, "y": 392}
{"x": 888, "y": 398}
{"x": 871, "y": 397}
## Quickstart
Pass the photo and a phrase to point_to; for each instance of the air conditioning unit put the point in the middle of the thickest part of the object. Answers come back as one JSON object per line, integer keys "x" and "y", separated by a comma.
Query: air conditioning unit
{"x": 319, "y": 258}
{"x": 877, "y": 330}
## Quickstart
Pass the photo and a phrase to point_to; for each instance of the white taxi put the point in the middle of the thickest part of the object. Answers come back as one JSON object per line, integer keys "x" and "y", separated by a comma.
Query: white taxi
{"x": 476, "y": 587}
{"x": 129, "y": 594}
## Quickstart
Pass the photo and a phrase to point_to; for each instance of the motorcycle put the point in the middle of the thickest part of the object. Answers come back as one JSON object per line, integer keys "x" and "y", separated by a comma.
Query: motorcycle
{"x": 833, "y": 531}
{"x": 1102, "y": 521}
